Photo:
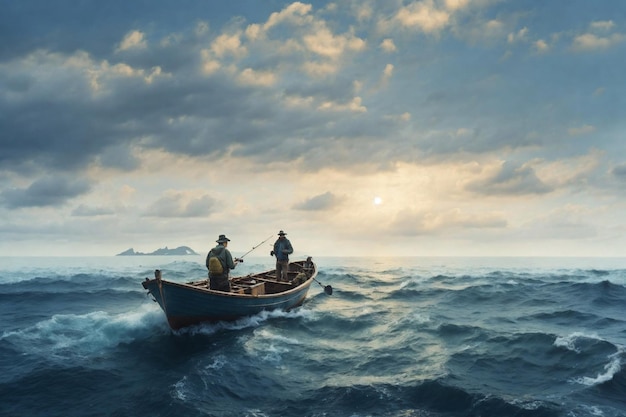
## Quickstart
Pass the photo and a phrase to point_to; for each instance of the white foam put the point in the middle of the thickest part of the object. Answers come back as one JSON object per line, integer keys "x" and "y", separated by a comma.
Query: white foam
{"x": 265, "y": 334}
{"x": 610, "y": 369}
{"x": 527, "y": 404}
{"x": 255, "y": 413}
{"x": 180, "y": 388}
{"x": 218, "y": 362}
{"x": 273, "y": 353}
{"x": 254, "y": 321}
{"x": 593, "y": 410}
{"x": 569, "y": 341}
{"x": 67, "y": 336}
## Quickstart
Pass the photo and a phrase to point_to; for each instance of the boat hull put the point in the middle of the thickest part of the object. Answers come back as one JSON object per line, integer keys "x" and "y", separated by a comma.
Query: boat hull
{"x": 186, "y": 304}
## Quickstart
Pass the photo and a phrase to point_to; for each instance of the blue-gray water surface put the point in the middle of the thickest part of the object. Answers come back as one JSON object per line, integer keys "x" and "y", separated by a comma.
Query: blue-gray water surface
{"x": 398, "y": 337}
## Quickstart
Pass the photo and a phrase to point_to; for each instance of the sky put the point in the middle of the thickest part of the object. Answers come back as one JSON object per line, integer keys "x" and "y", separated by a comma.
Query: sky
{"x": 360, "y": 128}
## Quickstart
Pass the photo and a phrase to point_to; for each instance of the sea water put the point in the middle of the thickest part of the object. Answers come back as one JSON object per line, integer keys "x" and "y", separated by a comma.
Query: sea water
{"x": 398, "y": 337}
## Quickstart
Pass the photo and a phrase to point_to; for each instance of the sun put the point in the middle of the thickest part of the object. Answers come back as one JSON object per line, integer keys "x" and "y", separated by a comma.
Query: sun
{"x": 378, "y": 201}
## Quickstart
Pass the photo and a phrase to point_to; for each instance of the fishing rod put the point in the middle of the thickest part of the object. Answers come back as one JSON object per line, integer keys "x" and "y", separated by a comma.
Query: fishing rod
{"x": 254, "y": 247}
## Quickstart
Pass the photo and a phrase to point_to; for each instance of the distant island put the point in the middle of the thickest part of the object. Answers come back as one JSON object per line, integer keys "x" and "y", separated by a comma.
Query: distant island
{"x": 181, "y": 250}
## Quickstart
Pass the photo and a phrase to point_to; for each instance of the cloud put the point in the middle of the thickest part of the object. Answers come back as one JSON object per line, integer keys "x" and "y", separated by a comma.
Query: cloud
{"x": 619, "y": 172}
{"x": 404, "y": 117}
{"x": 590, "y": 42}
{"x": 520, "y": 36}
{"x": 409, "y": 222}
{"x": 258, "y": 78}
{"x": 179, "y": 204}
{"x": 423, "y": 15}
{"x": 570, "y": 221}
{"x": 46, "y": 191}
{"x": 320, "y": 202}
{"x": 166, "y": 98}
{"x": 388, "y": 45}
{"x": 598, "y": 37}
{"x": 509, "y": 179}
{"x": 354, "y": 105}
{"x": 599, "y": 91}
{"x": 603, "y": 25}
{"x": 88, "y": 211}
{"x": 582, "y": 130}
{"x": 387, "y": 74}
{"x": 328, "y": 45}
{"x": 388, "y": 71}
{"x": 120, "y": 157}
{"x": 228, "y": 44}
{"x": 296, "y": 13}
{"x": 133, "y": 40}
{"x": 456, "y": 4}
{"x": 97, "y": 106}
{"x": 209, "y": 101}
{"x": 541, "y": 46}
{"x": 573, "y": 171}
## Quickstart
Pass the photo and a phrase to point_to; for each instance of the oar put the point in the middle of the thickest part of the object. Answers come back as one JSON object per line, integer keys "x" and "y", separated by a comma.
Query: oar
{"x": 327, "y": 289}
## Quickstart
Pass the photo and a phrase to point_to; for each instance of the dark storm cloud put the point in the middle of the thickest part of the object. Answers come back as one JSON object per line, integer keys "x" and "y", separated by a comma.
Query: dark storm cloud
{"x": 186, "y": 115}
{"x": 51, "y": 117}
{"x": 47, "y": 191}
{"x": 155, "y": 95}
{"x": 54, "y": 117}
{"x": 65, "y": 131}
{"x": 70, "y": 105}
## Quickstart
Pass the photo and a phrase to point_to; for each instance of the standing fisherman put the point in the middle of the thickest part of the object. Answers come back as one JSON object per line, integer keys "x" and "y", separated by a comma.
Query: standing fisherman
{"x": 282, "y": 250}
{"x": 219, "y": 262}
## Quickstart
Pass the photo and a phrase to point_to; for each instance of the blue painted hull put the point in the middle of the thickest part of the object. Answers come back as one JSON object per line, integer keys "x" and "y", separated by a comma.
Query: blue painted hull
{"x": 193, "y": 303}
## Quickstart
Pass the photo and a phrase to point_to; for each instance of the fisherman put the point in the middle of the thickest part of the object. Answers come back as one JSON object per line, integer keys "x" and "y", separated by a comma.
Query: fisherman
{"x": 219, "y": 262}
{"x": 282, "y": 250}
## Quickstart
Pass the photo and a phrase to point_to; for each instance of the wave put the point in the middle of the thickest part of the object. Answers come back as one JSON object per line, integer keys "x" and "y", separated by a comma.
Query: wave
{"x": 67, "y": 337}
{"x": 611, "y": 369}
{"x": 563, "y": 317}
{"x": 69, "y": 284}
{"x": 391, "y": 341}
{"x": 430, "y": 397}
{"x": 250, "y": 322}
{"x": 590, "y": 349}
{"x": 424, "y": 398}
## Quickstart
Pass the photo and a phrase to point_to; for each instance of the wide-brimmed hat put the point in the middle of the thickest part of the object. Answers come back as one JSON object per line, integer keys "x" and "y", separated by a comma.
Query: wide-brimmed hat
{"x": 222, "y": 239}
{"x": 281, "y": 233}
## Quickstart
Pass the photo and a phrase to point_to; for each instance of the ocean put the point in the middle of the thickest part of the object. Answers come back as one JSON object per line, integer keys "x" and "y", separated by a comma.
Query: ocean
{"x": 402, "y": 337}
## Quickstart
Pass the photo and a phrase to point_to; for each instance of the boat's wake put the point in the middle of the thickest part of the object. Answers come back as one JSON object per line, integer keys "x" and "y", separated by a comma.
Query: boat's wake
{"x": 254, "y": 321}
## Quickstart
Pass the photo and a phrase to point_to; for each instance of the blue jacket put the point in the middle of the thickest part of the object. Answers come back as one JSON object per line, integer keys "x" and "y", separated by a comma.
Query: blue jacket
{"x": 282, "y": 249}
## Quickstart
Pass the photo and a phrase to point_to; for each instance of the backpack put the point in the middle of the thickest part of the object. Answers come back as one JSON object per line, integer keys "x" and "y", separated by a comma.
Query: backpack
{"x": 215, "y": 266}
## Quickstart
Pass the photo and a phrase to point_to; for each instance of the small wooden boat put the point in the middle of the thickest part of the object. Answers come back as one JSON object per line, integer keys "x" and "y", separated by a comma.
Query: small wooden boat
{"x": 193, "y": 302}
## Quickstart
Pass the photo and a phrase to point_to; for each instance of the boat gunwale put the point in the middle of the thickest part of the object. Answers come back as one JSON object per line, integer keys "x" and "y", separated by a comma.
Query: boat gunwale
{"x": 232, "y": 294}
{"x": 204, "y": 289}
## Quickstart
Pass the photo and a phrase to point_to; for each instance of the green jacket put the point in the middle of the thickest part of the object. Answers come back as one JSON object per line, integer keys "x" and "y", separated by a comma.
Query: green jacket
{"x": 223, "y": 255}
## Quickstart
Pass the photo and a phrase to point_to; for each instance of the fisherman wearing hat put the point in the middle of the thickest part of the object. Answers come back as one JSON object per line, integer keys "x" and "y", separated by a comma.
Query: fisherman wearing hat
{"x": 219, "y": 262}
{"x": 282, "y": 250}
